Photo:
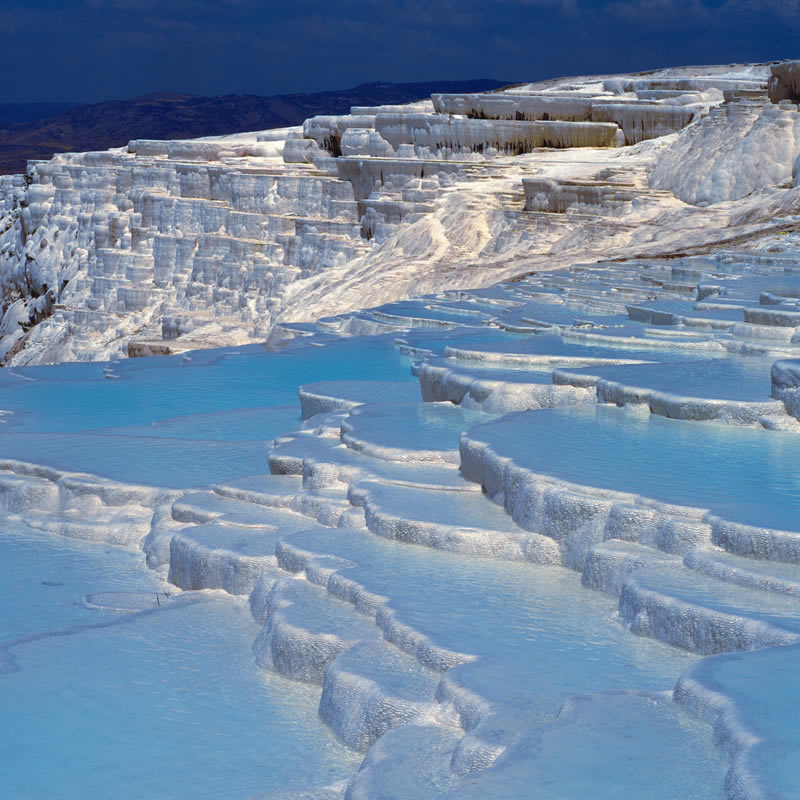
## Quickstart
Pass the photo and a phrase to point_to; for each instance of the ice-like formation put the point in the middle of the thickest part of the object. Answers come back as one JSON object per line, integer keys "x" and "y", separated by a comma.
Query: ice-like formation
{"x": 378, "y": 574}
{"x": 504, "y": 524}
{"x": 639, "y": 118}
{"x": 560, "y": 196}
{"x": 495, "y": 390}
{"x": 786, "y": 384}
{"x": 320, "y": 398}
{"x": 500, "y": 105}
{"x": 441, "y": 135}
{"x": 738, "y": 148}
{"x": 135, "y": 241}
{"x": 79, "y": 506}
{"x": 425, "y": 135}
{"x": 161, "y": 247}
{"x": 784, "y": 83}
{"x": 749, "y": 716}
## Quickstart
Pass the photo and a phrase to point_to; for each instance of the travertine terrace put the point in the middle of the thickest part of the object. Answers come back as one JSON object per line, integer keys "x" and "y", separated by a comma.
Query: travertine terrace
{"x": 159, "y": 247}
{"x": 512, "y": 494}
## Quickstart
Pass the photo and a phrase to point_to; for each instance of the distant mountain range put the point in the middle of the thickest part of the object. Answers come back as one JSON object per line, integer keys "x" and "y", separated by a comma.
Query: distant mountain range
{"x": 39, "y": 130}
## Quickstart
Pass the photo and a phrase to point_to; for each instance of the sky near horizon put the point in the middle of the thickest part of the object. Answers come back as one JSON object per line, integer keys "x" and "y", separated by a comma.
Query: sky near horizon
{"x": 95, "y": 50}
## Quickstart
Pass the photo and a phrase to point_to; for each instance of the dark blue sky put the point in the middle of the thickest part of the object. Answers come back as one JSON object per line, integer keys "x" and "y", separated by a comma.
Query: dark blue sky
{"x": 93, "y": 50}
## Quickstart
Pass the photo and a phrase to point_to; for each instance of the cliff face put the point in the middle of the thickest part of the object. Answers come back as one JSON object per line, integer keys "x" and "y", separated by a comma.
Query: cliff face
{"x": 162, "y": 246}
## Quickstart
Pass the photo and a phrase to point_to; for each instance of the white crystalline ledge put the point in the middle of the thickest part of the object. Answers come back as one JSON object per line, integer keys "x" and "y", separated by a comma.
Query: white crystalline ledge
{"x": 735, "y": 150}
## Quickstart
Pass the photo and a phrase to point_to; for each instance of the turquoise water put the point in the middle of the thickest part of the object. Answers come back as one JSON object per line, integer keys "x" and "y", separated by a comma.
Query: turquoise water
{"x": 174, "y": 422}
{"x": 45, "y": 578}
{"x": 553, "y": 345}
{"x": 170, "y": 461}
{"x": 165, "y": 700}
{"x": 410, "y": 426}
{"x": 163, "y": 703}
{"x": 77, "y": 397}
{"x": 742, "y": 474}
{"x": 761, "y": 707}
{"x": 436, "y": 340}
{"x": 420, "y": 313}
{"x": 538, "y": 635}
{"x": 722, "y": 378}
